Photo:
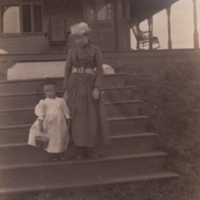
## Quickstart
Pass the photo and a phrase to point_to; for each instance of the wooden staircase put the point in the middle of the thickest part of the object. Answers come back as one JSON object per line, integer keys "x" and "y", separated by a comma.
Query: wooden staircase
{"x": 131, "y": 156}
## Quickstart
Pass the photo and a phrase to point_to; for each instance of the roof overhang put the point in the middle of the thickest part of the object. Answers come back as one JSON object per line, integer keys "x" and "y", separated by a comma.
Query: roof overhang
{"x": 143, "y": 9}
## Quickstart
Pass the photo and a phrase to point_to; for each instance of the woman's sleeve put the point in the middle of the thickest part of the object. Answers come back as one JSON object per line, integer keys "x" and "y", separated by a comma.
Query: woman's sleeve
{"x": 65, "y": 109}
{"x": 99, "y": 74}
{"x": 68, "y": 69}
{"x": 40, "y": 110}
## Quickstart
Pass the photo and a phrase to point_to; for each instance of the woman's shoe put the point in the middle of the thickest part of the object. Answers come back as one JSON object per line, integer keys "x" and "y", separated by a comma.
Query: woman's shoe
{"x": 54, "y": 157}
{"x": 91, "y": 153}
{"x": 80, "y": 153}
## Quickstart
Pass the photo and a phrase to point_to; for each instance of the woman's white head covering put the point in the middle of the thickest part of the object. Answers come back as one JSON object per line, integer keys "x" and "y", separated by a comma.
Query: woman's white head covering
{"x": 79, "y": 28}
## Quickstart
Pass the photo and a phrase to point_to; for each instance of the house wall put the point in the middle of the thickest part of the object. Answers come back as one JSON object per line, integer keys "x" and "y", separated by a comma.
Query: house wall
{"x": 37, "y": 43}
{"x": 71, "y": 10}
{"x": 118, "y": 60}
{"x": 19, "y": 43}
{"x": 74, "y": 12}
{"x": 124, "y": 36}
{"x": 113, "y": 58}
{"x": 23, "y": 44}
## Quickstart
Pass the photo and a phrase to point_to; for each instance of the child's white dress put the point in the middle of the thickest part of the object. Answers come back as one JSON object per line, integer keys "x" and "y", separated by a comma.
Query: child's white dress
{"x": 54, "y": 112}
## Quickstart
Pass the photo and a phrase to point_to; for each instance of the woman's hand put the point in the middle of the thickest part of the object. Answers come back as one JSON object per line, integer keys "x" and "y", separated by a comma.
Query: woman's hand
{"x": 65, "y": 95}
{"x": 95, "y": 93}
{"x": 69, "y": 122}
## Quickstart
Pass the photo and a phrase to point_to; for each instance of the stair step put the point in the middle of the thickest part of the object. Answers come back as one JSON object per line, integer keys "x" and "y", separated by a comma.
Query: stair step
{"x": 14, "y": 134}
{"x": 73, "y": 173}
{"x": 30, "y": 99}
{"x": 120, "y": 145}
{"x": 113, "y": 109}
{"x": 114, "y": 180}
{"x": 22, "y": 86}
{"x": 17, "y": 116}
{"x": 114, "y": 80}
{"x": 22, "y": 116}
{"x": 21, "y": 100}
{"x": 113, "y": 94}
{"x": 19, "y": 133}
{"x": 36, "y": 85}
{"x": 131, "y": 156}
{"x": 46, "y": 163}
{"x": 123, "y": 108}
{"x": 127, "y": 125}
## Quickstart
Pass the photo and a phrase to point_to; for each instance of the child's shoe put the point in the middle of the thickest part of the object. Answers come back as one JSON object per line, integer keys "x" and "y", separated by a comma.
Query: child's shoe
{"x": 62, "y": 156}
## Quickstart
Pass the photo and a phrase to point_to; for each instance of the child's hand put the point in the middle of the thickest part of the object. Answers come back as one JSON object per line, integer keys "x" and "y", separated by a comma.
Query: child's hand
{"x": 95, "y": 93}
{"x": 41, "y": 128}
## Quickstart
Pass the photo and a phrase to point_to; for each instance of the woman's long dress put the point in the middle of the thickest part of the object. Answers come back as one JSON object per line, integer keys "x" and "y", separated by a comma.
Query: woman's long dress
{"x": 54, "y": 113}
{"x": 89, "y": 124}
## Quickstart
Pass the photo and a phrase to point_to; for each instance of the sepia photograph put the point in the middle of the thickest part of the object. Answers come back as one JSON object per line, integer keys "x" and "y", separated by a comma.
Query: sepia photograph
{"x": 99, "y": 100}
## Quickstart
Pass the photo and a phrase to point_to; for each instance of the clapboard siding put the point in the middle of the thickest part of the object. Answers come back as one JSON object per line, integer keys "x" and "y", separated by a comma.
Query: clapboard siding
{"x": 35, "y": 44}
{"x": 73, "y": 11}
{"x": 25, "y": 44}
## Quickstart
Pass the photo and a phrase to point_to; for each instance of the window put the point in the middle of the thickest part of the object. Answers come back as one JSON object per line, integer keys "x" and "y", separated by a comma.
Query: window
{"x": 25, "y": 18}
{"x": 10, "y": 19}
{"x": 31, "y": 16}
{"x": 100, "y": 10}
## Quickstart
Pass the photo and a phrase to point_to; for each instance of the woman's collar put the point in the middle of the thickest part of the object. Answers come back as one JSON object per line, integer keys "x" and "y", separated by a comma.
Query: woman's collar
{"x": 84, "y": 46}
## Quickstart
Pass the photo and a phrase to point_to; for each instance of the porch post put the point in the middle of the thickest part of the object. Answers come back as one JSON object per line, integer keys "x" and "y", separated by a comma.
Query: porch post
{"x": 1, "y": 18}
{"x": 168, "y": 9}
{"x": 150, "y": 23}
{"x": 116, "y": 21}
{"x": 196, "y": 36}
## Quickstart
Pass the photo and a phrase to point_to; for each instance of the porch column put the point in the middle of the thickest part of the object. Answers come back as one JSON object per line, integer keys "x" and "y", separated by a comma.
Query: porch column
{"x": 150, "y": 23}
{"x": 196, "y": 36}
{"x": 168, "y": 9}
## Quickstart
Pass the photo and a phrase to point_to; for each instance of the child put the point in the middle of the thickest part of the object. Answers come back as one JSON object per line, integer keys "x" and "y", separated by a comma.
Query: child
{"x": 53, "y": 121}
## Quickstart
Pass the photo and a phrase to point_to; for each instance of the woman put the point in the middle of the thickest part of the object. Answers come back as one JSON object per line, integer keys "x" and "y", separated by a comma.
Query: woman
{"x": 82, "y": 93}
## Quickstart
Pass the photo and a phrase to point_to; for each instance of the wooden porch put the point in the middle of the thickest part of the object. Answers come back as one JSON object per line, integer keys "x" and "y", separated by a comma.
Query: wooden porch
{"x": 108, "y": 56}
{"x": 114, "y": 58}
{"x": 112, "y": 34}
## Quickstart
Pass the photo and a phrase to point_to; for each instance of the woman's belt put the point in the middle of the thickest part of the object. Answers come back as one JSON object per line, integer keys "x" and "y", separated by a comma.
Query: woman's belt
{"x": 83, "y": 70}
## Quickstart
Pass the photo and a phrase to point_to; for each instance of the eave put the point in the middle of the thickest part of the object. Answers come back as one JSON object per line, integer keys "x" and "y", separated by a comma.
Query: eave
{"x": 143, "y": 9}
